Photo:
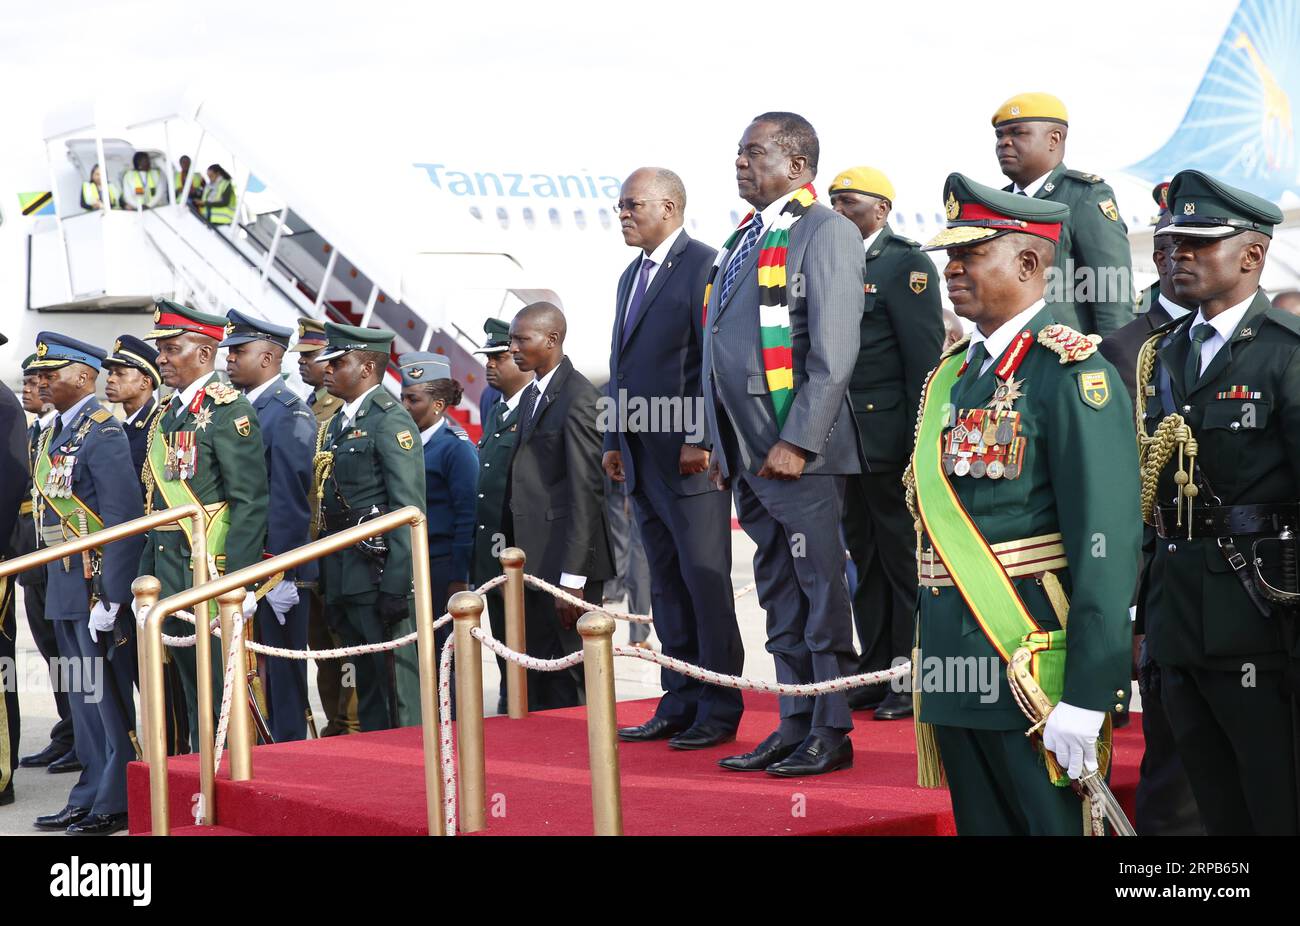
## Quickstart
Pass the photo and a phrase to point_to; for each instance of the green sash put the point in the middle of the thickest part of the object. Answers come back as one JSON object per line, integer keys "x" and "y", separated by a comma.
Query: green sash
{"x": 67, "y": 508}
{"x": 177, "y": 492}
{"x": 976, "y": 572}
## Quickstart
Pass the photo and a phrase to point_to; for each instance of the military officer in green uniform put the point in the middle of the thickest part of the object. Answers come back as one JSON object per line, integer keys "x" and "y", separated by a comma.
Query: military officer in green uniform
{"x": 901, "y": 336}
{"x": 376, "y": 466}
{"x": 1024, "y": 512}
{"x": 338, "y": 700}
{"x": 206, "y": 448}
{"x": 495, "y": 448}
{"x": 1220, "y": 482}
{"x": 1093, "y": 289}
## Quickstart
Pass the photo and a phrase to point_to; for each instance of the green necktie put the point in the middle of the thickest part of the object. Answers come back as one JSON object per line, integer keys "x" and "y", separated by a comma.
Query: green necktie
{"x": 976, "y": 354}
{"x": 1200, "y": 334}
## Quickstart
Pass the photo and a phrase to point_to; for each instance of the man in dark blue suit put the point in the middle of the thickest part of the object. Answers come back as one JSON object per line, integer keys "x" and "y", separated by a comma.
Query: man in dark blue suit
{"x": 13, "y": 475}
{"x": 450, "y": 475}
{"x": 82, "y": 464}
{"x": 664, "y": 459}
{"x": 133, "y": 381}
{"x": 256, "y": 353}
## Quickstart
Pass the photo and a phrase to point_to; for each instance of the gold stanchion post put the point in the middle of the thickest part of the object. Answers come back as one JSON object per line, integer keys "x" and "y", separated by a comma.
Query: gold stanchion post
{"x": 239, "y": 730}
{"x": 426, "y": 651}
{"x": 597, "y": 632}
{"x": 512, "y": 564}
{"x": 146, "y": 590}
{"x": 466, "y": 609}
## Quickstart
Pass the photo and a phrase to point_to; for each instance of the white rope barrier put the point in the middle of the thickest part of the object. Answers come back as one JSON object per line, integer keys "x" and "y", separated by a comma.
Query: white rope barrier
{"x": 558, "y": 592}
{"x": 227, "y": 686}
{"x": 445, "y": 745}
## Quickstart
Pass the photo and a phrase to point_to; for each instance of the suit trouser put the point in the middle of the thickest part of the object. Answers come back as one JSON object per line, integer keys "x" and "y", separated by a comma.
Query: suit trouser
{"x": 999, "y": 786}
{"x": 339, "y": 703}
{"x": 43, "y": 636}
{"x": 1236, "y": 743}
{"x": 688, "y": 546}
{"x": 184, "y": 659}
{"x": 103, "y": 713}
{"x": 286, "y": 679}
{"x": 633, "y": 579}
{"x": 10, "y": 726}
{"x": 1164, "y": 805}
{"x": 357, "y": 622}
{"x": 799, "y": 572}
{"x": 546, "y": 639}
{"x": 406, "y": 661}
{"x": 882, "y": 542}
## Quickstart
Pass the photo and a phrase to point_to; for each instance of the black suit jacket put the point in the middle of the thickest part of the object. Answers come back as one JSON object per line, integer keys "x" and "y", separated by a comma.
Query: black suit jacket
{"x": 660, "y": 359}
{"x": 1121, "y": 347}
{"x": 13, "y": 467}
{"x": 557, "y": 485}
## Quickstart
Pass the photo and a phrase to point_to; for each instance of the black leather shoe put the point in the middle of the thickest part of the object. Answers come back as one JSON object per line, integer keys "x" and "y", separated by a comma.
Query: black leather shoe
{"x": 764, "y": 754}
{"x": 99, "y": 824}
{"x": 815, "y": 756}
{"x": 656, "y": 728}
{"x": 43, "y": 758}
{"x": 65, "y": 763}
{"x": 7, "y": 795}
{"x": 867, "y": 698}
{"x": 63, "y": 819}
{"x": 898, "y": 706}
{"x": 702, "y": 736}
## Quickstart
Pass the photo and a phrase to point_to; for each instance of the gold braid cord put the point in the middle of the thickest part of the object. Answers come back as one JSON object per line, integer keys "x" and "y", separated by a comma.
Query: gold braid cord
{"x": 322, "y": 467}
{"x": 146, "y": 472}
{"x": 1154, "y": 452}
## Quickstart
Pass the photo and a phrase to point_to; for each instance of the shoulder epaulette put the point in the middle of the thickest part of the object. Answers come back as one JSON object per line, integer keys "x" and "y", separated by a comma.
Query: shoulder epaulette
{"x": 384, "y": 400}
{"x": 222, "y": 394}
{"x": 1285, "y": 319}
{"x": 286, "y": 396}
{"x": 906, "y": 242}
{"x": 1068, "y": 343}
{"x": 1082, "y": 175}
{"x": 100, "y": 415}
{"x": 956, "y": 348}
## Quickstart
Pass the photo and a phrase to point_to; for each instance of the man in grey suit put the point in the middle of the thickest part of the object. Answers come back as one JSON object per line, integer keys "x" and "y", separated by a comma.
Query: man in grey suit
{"x": 787, "y": 467}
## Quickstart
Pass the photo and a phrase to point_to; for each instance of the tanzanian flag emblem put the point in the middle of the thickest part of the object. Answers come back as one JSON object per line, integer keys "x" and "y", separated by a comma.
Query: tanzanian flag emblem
{"x": 39, "y": 203}
{"x": 1094, "y": 389}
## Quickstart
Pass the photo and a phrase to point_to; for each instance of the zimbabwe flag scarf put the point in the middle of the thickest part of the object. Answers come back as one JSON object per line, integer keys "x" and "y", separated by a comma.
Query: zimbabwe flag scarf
{"x": 773, "y": 307}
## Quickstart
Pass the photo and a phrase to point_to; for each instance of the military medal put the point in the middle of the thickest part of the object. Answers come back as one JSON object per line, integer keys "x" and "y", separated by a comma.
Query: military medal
{"x": 962, "y": 467}
{"x": 978, "y": 468}
{"x": 995, "y": 469}
{"x": 202, "y": 419}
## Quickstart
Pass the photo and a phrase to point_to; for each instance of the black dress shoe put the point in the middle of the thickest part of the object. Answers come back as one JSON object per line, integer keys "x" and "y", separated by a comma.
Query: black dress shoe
{"x": 63, "y": 819}
{"x": 764, "y": 754}
{"x": 898, "y": 706}
{"x": 43, "y": 758}
{"x": 656, "y": 728}
{"x": 98, "y": 824}
{"x": 815, "y": 756}
{"x": 702, "y": 736}
{"x": 65, "y": 763}
{"x": 867, "y": 698}
{"x": 7, "y": 795}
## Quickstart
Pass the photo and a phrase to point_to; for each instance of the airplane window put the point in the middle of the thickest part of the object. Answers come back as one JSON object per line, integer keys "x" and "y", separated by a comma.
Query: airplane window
{"x": 604, "y": 218}
{"x": 554, "y": 215}
{"x": 902, "y": 219}
{"x": 476, "y": 212}
{"x": 528, "y": 216}
{"x": 580, "y": 219}
{"x": 938, "y": 219}
{"x": 503, "y": 217}
{"x": 920, "y": 219}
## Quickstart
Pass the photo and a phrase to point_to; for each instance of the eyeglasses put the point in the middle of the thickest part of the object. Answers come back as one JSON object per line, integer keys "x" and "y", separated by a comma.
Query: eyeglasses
{"x": 633, "y": 205}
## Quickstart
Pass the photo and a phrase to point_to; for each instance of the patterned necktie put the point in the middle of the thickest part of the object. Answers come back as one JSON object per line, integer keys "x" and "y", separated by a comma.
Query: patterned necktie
{"x": 531, "y": 395}
{"x": 747, "y": 245}
{"x": 1200, "y": 334}
{"x": 638, "y": 296}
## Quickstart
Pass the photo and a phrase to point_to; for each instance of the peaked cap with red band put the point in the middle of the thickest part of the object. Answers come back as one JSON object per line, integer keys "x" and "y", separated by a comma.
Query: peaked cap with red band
{"x": 978, "y": 213}
{"x": 171, "y": 319}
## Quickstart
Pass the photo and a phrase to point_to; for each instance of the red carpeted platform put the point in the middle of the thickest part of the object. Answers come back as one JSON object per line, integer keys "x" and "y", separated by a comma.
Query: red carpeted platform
{"x": 372, "y": 784}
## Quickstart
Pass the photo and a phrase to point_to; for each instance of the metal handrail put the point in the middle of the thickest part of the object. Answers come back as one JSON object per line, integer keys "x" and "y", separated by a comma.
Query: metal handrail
{"x": 160, "y": 816}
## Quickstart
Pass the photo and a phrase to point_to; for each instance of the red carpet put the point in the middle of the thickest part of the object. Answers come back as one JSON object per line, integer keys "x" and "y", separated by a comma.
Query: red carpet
{"x": 537, "y": 784}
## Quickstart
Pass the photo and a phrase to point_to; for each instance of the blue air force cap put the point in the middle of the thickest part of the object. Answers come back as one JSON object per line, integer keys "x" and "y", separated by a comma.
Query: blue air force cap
{"x": 243, "y": 329}
{"x": 54, "y": 350}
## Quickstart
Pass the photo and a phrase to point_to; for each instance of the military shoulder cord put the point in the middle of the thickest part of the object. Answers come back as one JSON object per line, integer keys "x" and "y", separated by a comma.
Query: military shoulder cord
{"x": 1154, "y": 452}
{"x": 146, "y": 471}
{"x": 322, "y": 468}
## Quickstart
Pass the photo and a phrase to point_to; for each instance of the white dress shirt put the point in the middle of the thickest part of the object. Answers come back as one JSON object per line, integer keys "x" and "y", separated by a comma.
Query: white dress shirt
{"x": 1033, "y": 188}
{"x": 182, "y": 398}
{"x": 568, "y": 580}
{"x": 1000, "y": 340}
{"x": 256, "y": 392}
{"x": 1175, "y": 311}
{"x": 1225, "y": 326}
{"x": 658, "y": 256}
{"x": 350, "y": 409}
{"x": 130, "y": 419}
{"x": 541, "y": 387}
{"x": 427, "y": 434}
{"x": 66, "y": 418}
{"x": 868, "y": 241}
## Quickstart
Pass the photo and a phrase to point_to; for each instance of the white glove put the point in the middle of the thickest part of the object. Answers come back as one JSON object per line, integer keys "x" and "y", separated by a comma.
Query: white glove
{"x": 101, "y": 619}
{"x": 1071, "y": 733}
{"x": 282, "y": 598}
{"x": 250, "y": 604}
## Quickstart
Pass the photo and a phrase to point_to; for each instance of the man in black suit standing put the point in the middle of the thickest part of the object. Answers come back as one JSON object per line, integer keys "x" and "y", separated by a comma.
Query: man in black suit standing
{"x": 780, "y": 341}
{"x": 664, "y": 460}
{"x": 556, "y": 506}
{"x": 13, "y": 482}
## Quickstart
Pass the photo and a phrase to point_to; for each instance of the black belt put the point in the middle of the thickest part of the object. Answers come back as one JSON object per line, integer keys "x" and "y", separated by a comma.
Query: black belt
{"x": 341, "y": 520}
{"x": 1228, "y": 520}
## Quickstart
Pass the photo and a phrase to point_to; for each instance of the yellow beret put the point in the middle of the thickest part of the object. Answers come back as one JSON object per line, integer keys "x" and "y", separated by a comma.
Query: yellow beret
{"x": 1031, "y": 107}
{"x": 863, "y": 180}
